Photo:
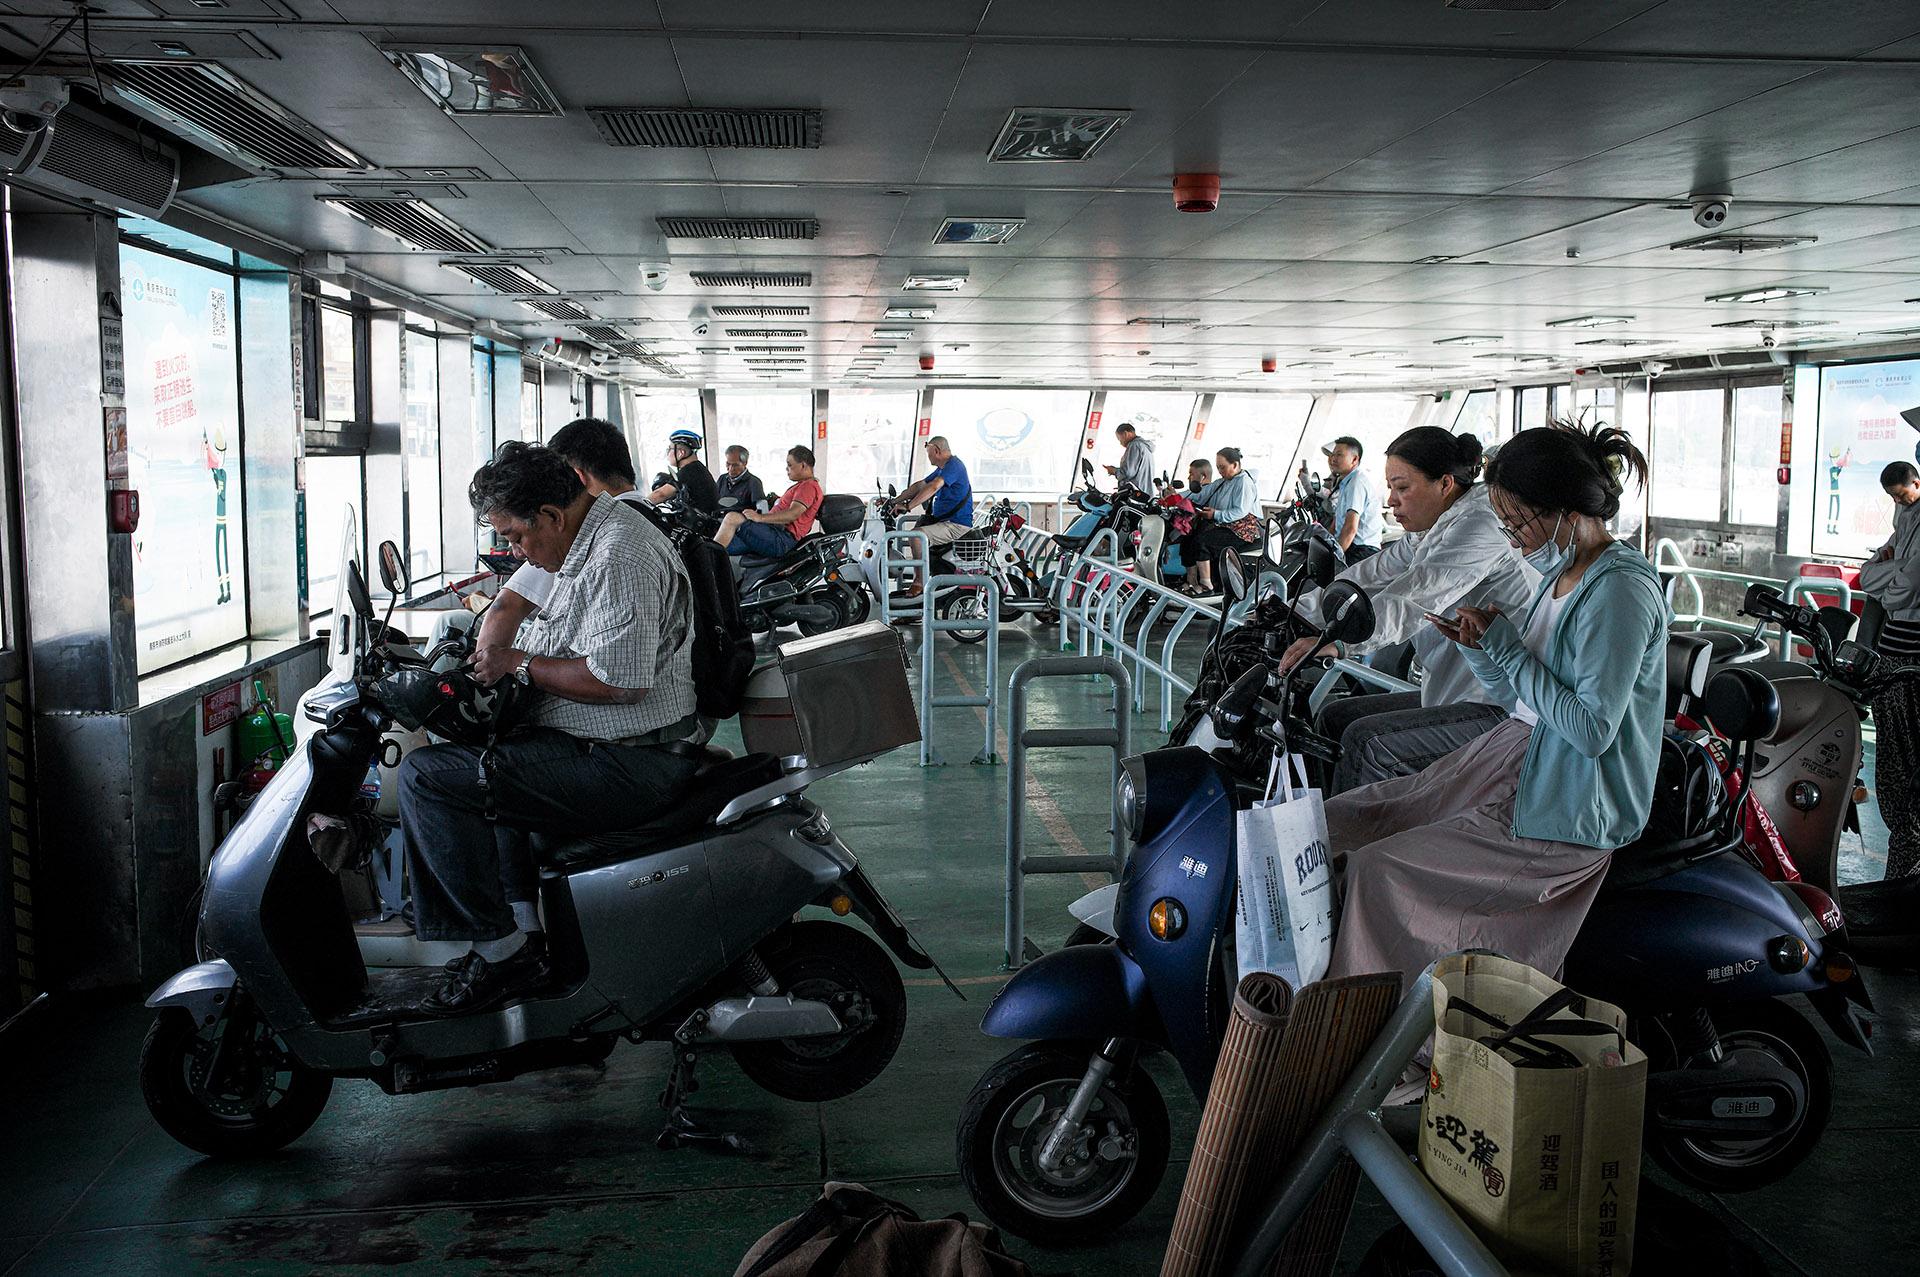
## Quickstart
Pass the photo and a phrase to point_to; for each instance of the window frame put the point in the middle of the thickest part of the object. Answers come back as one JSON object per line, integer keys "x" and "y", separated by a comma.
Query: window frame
{"x": 1727, "y": 385}
{"x": 407, "y": 332}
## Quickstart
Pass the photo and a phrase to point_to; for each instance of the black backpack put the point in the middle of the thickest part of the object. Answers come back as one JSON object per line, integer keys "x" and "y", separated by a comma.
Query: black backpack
{"x": 722, "y": 644}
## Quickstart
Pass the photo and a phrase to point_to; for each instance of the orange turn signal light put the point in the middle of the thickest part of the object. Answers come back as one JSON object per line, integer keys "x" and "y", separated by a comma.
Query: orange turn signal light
{"x": 1167, "y": 919}
{"x": 1839, "y": 970}
{"x": 841, "y": 906}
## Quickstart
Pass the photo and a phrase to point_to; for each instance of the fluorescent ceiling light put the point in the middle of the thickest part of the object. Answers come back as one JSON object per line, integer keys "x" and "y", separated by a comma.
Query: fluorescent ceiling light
{"x": 1743, "y": 242}
{"x": 1591, "y": 321}
{"x": 948, "y": 282}
{"x": 1619, "y": 341}
{"x": 1369, "y": 354}
{"x": 475, "y": 79}
{"x": 908, "y": 312}
{"x": 1771, "y": 293}
{"x": 1163, "y": 321}
{"x": 978, "y": 230}
{"x": 1778, "y": 323}
{"x": 1311, "y": 363}
{"x": 900, "y": 334}
{"x": 1053, "y": 135}
{"x": 1471, "y": 339}
{"x": 873, "y": 347}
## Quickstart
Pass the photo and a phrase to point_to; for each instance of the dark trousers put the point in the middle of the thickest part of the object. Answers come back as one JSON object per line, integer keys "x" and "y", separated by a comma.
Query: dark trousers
{"x": 1896, "y": 757}
{"x": 1357, "y": 552}
{"x": 1389, "y": 734}
{"x": 1208, "y": 541}
{"x": 464, "y": 868}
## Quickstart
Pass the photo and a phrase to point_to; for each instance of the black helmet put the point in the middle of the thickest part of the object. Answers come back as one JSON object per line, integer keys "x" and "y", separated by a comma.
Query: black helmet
{"x": 455, "y": 705}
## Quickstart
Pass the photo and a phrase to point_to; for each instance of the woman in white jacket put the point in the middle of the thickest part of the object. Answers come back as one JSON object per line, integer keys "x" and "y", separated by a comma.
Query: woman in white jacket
{"x": 1453, "y": 553}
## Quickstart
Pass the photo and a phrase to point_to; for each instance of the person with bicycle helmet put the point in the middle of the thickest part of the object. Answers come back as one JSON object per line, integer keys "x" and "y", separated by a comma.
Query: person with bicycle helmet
{"x": 690, "y": 482}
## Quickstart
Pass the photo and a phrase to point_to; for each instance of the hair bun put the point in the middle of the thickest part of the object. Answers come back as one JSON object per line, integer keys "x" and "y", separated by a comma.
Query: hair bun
{"x": 1467, "y": 447}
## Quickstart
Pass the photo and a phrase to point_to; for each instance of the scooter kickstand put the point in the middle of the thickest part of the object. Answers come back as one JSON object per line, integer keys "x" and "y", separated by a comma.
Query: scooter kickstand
{"x": 682, "y": 1127}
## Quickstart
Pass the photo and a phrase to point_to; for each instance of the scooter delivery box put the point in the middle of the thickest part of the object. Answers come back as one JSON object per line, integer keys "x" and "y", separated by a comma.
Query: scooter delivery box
{"x": 837, "y": 698}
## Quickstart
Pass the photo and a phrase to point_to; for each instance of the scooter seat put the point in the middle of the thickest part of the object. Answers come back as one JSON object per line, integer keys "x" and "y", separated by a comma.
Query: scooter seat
{"x": 714, "y": 785}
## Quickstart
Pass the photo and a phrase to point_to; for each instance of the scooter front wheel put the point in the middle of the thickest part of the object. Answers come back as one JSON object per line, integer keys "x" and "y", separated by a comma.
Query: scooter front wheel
{"x": 965, "y": 605}
{"x": 228, "y": 1089}
{"x": 1112, "y": 1165}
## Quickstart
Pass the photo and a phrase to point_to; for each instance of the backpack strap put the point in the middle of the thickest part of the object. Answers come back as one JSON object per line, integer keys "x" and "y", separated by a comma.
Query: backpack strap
{"x": 847, "y": 1212}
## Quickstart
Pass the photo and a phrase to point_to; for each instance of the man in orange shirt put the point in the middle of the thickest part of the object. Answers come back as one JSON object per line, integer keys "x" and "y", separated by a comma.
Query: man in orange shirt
{"x": 778, "y": 530}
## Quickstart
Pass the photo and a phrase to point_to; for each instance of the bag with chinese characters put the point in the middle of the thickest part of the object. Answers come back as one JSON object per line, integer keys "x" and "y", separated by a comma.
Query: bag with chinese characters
{"x": 1531, "y": 1122}
{"x": 1285, "y": 920}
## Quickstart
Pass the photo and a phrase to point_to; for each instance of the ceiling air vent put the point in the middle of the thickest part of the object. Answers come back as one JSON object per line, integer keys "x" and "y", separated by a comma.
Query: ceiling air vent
{"x": 1778, "y": 323}
{"x": 1506, "y": 6}
{"x": 412, "y": 222}
{"x": 1742, "y": 242}
{"x": 1743, "y": 358}
{"x": 751, "y": 128}
{"x": 766, "y": 332}
{"x": 763, "y": 312}
{"x": 211, "y": 105}
{"x": 89, "y": 157}
{"x": 739, "y": 227}
{"x": 506, "y": 279}
{"x": 602, "y": 333}
{"x": 557, "y": 308}
{"x": 752, "y": 279}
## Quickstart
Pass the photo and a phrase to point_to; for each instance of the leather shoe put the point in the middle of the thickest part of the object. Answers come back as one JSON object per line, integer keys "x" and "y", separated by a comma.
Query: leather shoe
{"x": 459, "y": 964}
{"x": 479, "y": 984}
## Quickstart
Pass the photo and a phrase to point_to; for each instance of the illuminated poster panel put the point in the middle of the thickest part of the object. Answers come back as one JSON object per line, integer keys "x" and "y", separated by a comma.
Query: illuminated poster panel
{"x": 1860, "y": 432}
{"x": 183, "y": 449}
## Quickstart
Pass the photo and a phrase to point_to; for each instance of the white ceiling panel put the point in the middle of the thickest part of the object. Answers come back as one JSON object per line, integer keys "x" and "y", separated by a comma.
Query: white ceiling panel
{"x": 1768, "y": 27}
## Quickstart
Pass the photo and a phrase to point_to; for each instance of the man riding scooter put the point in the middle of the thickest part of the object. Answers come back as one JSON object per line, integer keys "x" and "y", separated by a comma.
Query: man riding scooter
{"x": 948, "y": 495}
{"x": 610, "y": 653}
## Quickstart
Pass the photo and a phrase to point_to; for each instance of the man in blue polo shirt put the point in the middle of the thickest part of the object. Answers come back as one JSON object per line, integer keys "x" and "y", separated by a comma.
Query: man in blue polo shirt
{"x": 1356, "y": 508}
{"x": 948, "y": 496}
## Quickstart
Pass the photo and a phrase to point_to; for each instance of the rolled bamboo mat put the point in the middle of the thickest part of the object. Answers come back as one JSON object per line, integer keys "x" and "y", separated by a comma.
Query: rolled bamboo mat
{"x": 1332, "y": 1025}
{"x": 1246, "y": 1082}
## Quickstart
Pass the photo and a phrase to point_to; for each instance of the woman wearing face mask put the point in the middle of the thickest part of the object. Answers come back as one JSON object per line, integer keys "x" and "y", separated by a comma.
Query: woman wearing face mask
{"x": 1502, "y": 844}
{"x": 1453, "y": 553}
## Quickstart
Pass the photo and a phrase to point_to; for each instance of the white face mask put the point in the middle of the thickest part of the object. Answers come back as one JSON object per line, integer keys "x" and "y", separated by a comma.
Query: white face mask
{"x": 1552, "y": 558}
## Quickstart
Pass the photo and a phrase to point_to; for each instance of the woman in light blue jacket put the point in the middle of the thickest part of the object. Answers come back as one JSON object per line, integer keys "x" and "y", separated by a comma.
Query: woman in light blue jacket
{"x": 1502, "y": 844}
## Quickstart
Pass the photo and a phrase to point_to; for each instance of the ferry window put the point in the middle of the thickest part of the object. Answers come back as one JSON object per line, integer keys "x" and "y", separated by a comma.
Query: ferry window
{"x": 183, "y": 457}
{"x": 1860, "y": 431}
{"x": 1161, "y": 418}
{"x": 1266, "y": 429}
{"x": 1756, "y": 454}
{"x": 655, "y": 415}
{"x": 870, "y": 440}
{"x": 1479, "y": 415}
{"x": 764, "y": 422}
{"x": 334, "y": 483}
{"x": 1688, "y": 436}
{"x": 480, "y": 422}
{"x": 530, "y": 404}
{"x": 1530, "y": 407}
{"x": 1376, "y": 420}
{"x": 337, "y": 366}
{"x": 1010, "y": 439}
{"x": 420, "y": 445}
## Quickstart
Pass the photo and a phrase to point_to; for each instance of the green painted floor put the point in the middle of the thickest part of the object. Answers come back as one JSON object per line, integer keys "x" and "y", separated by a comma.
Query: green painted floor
{"x": 557, "y": 1172}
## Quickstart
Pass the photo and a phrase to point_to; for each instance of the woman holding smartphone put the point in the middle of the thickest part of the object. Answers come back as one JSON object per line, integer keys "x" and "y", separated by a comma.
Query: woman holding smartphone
{"x": 1503, "y": 843}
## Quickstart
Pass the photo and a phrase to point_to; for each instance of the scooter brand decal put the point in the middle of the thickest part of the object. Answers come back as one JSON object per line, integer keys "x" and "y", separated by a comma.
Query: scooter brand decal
{"x": 1193, "y": 868}
{"x": 657, "y": 876}
{"x": 1720, "y": 975}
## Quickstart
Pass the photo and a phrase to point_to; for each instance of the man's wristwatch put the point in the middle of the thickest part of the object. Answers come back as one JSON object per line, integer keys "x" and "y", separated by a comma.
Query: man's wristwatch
{"x": 523, "y": 672}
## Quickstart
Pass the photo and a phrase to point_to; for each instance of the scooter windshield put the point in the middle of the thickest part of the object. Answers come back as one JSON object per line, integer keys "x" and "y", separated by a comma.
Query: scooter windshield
{"x": 344, "y": 625}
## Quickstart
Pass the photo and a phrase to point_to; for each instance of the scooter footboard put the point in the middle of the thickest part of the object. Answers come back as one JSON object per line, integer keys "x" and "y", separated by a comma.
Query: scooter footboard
{"x": 1081, "y": 992}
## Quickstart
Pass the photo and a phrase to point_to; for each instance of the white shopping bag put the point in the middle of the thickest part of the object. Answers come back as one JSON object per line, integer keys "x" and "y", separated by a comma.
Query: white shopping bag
{"x": 1286, "y": 884}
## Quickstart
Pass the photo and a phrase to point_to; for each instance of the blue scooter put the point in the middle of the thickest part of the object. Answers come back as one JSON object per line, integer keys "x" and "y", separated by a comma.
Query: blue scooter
{"x": 1067, "y": 1138}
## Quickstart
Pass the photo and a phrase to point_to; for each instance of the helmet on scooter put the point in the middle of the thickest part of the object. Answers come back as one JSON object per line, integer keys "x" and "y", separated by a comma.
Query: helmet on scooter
{"x": 454, "y": 705}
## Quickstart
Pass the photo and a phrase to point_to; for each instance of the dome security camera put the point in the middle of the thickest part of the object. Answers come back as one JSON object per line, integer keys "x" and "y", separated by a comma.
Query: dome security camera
{"x": 1654, "y": 367}
{"x": 654, "y": 275}
{"x": 28, "y": 105}
{"x": 1710, "y": 211}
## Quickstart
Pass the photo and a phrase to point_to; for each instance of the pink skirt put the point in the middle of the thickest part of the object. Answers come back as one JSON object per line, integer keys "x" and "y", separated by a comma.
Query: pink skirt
{"x": 1427, "y": 864}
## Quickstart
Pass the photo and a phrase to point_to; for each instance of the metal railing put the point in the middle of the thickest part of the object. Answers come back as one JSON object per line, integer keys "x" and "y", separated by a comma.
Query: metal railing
{"x": 931, "y": 625}
{"x": 1671, "y": 562}
{"x": 911, "y": 536}
{"x": 1102, "y": 599}
{"x": 1342, "y": 667}
{"x": 1020, "y": 738}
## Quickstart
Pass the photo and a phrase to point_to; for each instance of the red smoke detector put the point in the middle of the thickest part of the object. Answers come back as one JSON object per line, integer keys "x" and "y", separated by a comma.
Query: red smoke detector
{"x": 1268, "y": 364}
{"x": 926, "y": 363}
{"x": 1196, "y": 192}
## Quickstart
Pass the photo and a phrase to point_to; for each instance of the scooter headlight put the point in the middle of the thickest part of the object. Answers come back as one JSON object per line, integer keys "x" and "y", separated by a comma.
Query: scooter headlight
{"x": 1130, "y": 798}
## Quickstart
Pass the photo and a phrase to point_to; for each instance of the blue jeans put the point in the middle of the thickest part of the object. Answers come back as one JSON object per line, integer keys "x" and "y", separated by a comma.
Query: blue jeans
{"x": 762, "y": 539}
{"x": 462, "y": 867}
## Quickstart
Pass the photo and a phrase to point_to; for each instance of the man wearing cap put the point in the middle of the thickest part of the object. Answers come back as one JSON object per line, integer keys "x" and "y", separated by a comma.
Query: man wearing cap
{"x": 1356, "y": 509}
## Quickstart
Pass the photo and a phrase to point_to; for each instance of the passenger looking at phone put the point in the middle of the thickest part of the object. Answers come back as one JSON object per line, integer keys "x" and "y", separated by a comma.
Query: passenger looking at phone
{"x": 1453, "y": 553}
{"x": 1893, "y": 577}
{"x": 1503, "y": 843}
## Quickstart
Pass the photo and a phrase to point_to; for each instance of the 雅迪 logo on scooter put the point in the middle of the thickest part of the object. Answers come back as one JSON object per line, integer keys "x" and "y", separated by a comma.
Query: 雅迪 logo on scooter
{"x": 1193, "y": 868}
{"x": 1718, "y": 975}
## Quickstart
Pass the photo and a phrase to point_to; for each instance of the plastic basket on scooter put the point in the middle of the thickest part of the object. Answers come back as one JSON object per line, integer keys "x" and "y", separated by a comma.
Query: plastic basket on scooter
{"x": 971, "y": 557}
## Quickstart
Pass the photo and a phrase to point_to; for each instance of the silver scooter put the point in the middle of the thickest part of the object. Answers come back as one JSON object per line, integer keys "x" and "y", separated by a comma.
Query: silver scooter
{"x": 682, "y": 930}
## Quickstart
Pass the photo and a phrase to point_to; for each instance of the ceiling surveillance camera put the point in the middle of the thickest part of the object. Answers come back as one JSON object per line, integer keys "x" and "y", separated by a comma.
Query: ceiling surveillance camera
{"x": 28, "y": 105}
{"x": 654, "y": 275}
{"x": 1710, "y": 211}
{"x": 598, "y": 357}
{"x": 1654, "y": 367}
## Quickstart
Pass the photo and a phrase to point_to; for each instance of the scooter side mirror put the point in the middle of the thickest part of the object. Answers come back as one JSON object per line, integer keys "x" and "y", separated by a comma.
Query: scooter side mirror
{"x": 1348, "y": 612}
{"x": 1086, "y": 467}
{"x": 1233, "y": 578}
{"x": 1236, "y": 705}
{"x": 1323, "y": 560}
{"x": 393, "y": 569}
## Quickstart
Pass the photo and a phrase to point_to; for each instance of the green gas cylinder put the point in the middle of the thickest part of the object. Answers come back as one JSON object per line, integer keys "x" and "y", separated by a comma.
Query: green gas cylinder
{"x": 263, "y": 734}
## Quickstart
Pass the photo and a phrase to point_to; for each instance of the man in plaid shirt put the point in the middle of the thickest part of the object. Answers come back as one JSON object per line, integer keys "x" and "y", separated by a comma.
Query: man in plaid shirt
{"x": 608, "y": 661}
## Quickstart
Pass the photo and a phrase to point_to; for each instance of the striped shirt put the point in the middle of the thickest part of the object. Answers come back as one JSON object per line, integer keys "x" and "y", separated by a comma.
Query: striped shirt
{"x": 1900, "y": 642}
{"x": 621, "y": 600}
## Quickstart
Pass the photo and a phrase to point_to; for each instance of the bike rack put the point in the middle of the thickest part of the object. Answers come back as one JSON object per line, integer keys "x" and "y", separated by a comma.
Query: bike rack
{"x": 1102, "y": 612}
{"x": 1353, "y": 1124}
{"x": 888, "y": 563}
{"x": 1118, "y": 738}
{"x": 931, "y": 625}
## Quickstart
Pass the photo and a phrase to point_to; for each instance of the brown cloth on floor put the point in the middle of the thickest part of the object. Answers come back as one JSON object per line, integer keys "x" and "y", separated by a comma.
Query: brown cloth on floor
{"x": 1428, "y": 864}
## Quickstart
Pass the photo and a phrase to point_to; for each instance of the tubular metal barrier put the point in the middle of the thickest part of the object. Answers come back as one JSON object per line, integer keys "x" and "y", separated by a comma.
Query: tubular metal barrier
{"x": 1118, "y": 738}
{"x": 1352, "y": 1124}
{"x": 929, "y": 626}
{"x": 1671, "y": 562}
{"x": 1104, "y": 596}
{"x": 1330, "y": 682}
{"x": 888, "y": 563}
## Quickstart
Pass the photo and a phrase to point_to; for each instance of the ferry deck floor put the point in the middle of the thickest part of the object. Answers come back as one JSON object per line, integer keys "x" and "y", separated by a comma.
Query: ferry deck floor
{"x": 557, "y": 1172}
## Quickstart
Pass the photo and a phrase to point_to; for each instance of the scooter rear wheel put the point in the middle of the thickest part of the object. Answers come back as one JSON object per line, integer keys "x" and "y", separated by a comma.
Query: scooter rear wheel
{"x": 1118, "y": 1158}
{"x": 229, "y": 1089}
{"x": 835, "y": 964}
{"x": 1783, "y": 1034}
{"x": 965, "y": 605}
{"x": 838, "y": 596}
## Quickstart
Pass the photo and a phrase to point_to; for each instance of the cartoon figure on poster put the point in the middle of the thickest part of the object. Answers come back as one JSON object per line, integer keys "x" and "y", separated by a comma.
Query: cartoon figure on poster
{"x": 1837, "y": 463}
{"x": 1860, "y": 432}
{"x": 216, "y": 450}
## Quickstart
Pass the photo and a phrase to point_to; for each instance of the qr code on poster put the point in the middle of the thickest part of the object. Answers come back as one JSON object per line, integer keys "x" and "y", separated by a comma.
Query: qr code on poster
{"x": 217, "y": 316}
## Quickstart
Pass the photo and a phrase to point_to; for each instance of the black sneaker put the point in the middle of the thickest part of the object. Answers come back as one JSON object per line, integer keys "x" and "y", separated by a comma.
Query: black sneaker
{"x": 479, "y": 984}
